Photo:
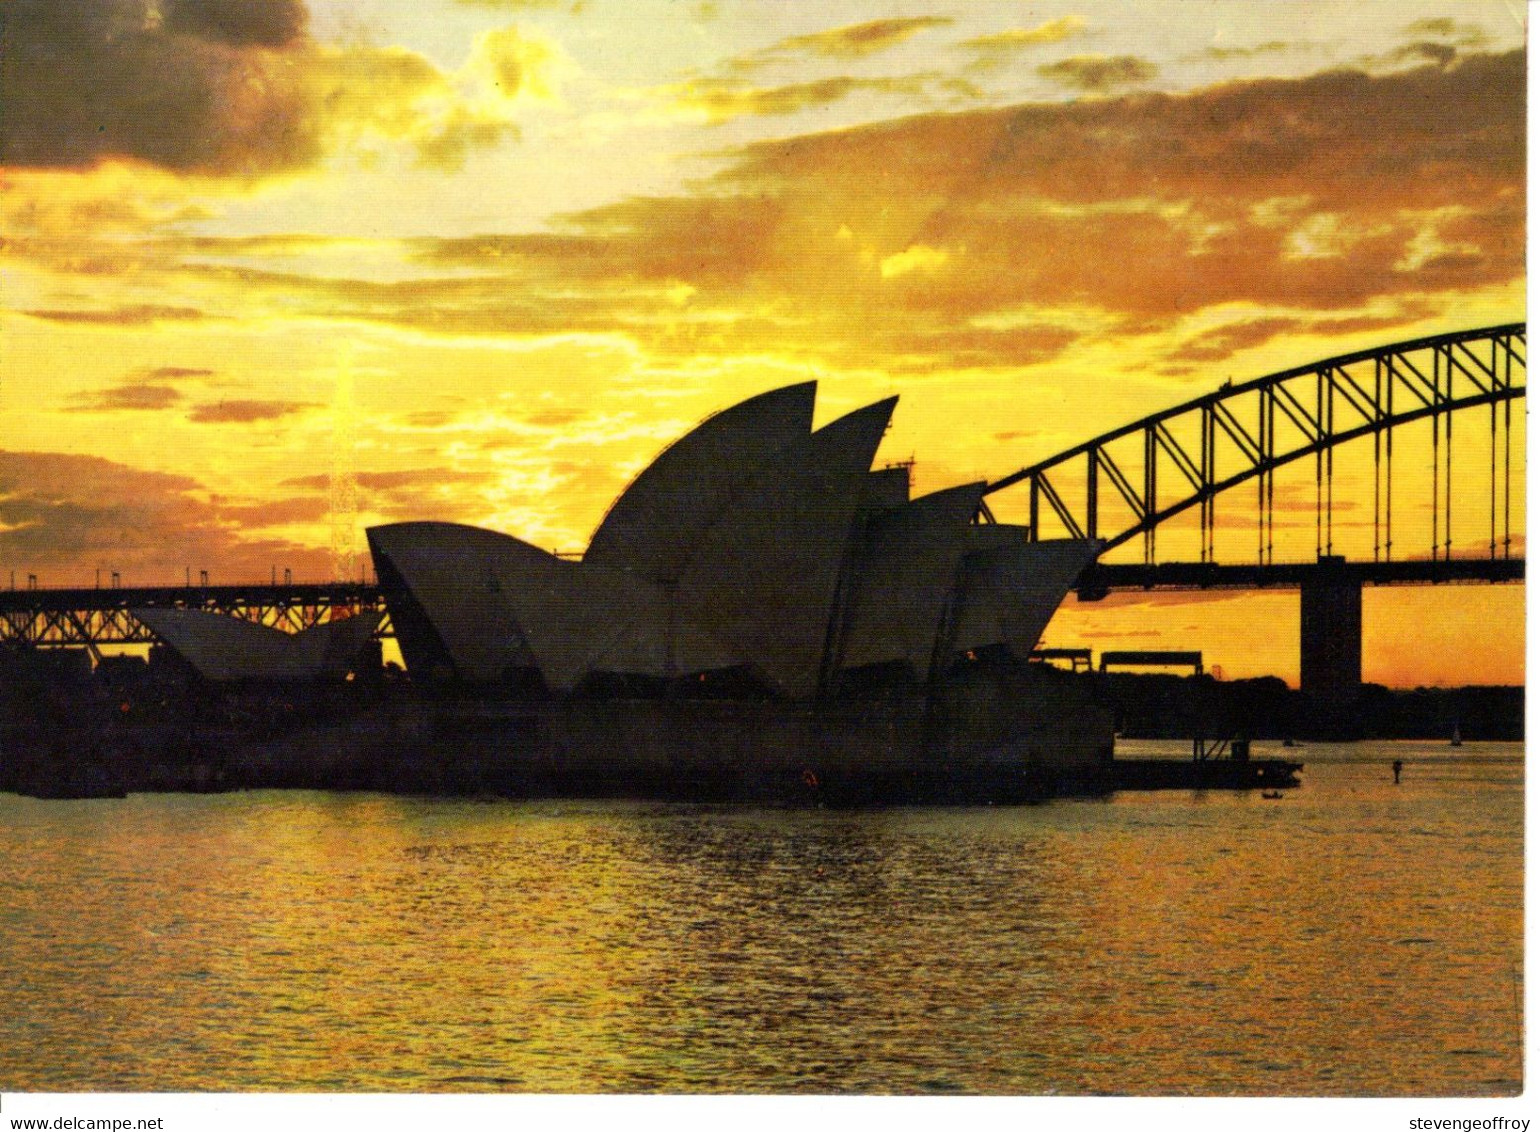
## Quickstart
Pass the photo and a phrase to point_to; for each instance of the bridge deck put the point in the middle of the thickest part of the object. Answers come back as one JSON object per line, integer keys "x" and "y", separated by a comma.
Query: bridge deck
{"x": 1101, "y": 578}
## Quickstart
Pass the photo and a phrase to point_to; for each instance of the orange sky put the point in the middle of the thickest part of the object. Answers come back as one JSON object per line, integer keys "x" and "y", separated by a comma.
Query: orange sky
{"x": 488, "y": 256}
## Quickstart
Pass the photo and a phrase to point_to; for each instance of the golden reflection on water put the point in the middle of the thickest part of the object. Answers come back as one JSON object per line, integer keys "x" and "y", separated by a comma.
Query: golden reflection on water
{"x": 1353, "y": 938}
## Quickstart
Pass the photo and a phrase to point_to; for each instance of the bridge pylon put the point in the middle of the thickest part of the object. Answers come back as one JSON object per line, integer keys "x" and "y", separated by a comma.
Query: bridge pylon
{"x": 1331, "y": 642}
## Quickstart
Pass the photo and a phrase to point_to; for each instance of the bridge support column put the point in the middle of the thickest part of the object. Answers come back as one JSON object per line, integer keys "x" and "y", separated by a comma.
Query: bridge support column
{"x": 1331, "y": 619}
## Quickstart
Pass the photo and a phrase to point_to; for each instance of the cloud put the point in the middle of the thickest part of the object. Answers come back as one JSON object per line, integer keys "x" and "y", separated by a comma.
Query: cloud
{"x": 140, "y": 315}
{"x": 178, "y": 373}
{"x": 246, "y": 412}
{"x": 118, "y": 398}
{"x": 183, "y": 86}
{"x": 1221, "y": 342}
{"x": 720, "y": 100}
{"x": 230, "y": 88}
{"x": 141, "y": 391}
{"x": 1224, "y": 341}
{"x": 442, "y": 493}
{"x": 1271, "y": 47}
{"x": 553, "y": 418}
{"x": 275, "y": 512}
{"x": 1439, "y": 41}
{"x": 404, "y": 478}
{"x": 998, "y": 49}
{"x": 857, "y": 40}
{"x": 1099, "y": 73}
{"x": 64, "y": 515}
{"x": 1001, "y": 237}
{"x": 916, "y": 257}
{"x": 237, "y": 23}
{"x": 1466, "y": 35}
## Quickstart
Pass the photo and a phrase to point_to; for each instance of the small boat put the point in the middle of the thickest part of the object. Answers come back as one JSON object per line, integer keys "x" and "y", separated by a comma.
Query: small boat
{"x": 1455, "y": 740}
{"x": 1272, "y": 795}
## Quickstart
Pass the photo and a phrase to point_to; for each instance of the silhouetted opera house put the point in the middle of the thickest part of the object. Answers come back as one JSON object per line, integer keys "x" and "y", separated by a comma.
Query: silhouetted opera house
{"x": 758, "y": 613}
{"x": 754, "y": 546}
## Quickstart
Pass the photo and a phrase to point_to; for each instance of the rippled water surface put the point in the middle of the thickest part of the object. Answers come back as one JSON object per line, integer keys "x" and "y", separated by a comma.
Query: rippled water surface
{"x": 1355, "y": 937}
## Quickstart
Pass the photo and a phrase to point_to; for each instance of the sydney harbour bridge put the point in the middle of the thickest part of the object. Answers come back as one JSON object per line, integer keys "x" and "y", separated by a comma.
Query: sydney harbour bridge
{"x": 1441, "y": 512}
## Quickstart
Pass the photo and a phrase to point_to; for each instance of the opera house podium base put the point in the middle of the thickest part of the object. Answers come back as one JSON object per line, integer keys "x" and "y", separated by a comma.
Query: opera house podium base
{"x": 984, "y": 739}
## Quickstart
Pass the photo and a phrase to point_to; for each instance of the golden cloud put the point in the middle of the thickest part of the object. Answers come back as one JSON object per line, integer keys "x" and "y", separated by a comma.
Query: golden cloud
{"x": 1343, "y": 201}
{"x": 855, "y": 40}
{"x": 1099, "y": 73}
{"x": 1000, "y": 48}
{"x": 246, "y": 411}
{"x": 720, "y": 100}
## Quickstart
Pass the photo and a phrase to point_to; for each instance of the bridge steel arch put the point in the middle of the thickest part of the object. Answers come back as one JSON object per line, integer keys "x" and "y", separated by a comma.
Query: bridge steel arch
{"x": 1247, "y": 431}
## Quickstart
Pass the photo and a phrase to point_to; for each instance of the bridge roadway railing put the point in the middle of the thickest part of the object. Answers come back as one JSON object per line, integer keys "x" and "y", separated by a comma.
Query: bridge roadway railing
{"x": 90, "y": 617}
{"x": 1102, "y": 578}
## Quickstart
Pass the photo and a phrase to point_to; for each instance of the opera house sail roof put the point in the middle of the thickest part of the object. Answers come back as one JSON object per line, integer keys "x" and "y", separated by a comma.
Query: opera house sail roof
{"x": 654, "y": 525}
{"x": 225, "y": 648}
{"x": 754, "y": 544}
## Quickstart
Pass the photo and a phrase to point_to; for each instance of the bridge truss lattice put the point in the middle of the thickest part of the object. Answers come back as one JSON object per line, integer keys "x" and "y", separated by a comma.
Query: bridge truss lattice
{"x": 1140, "y": 475}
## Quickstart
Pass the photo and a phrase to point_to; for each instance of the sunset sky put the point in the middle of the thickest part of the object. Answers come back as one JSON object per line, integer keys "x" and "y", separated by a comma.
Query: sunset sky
{"x": 486, "y": 257}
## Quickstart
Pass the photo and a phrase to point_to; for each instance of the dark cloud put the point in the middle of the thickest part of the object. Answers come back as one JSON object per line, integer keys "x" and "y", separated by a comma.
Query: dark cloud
{"x": 62, "y": 516}
{"x": 1019, "y": 434}
{"x": 237, "y": 23}
{"x": 275, "y": 512}
{"x": 1440, "y": 41}
{"x": 142, "y": 390}
{"x": 90, "y": 79}
{"x": 926, "y": 349}
{"x": 1224, "y": 341}
{"x": 245, "y": 412}
{"x": 1099, "y": 73}
{"x": 1424, "y": 51}
{"x": 223, "y": 87}
{"x": 118, "y": 398}
{"x": 143, "y": 315}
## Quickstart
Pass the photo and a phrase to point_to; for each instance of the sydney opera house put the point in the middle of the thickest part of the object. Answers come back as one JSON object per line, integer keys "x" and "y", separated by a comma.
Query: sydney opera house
{"x": 759, "y": 610}
{"x": 754, "y": 547}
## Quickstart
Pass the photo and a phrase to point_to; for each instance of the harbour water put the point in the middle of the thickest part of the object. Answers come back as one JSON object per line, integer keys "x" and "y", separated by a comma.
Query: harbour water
{"x": 1354, "y": 937}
